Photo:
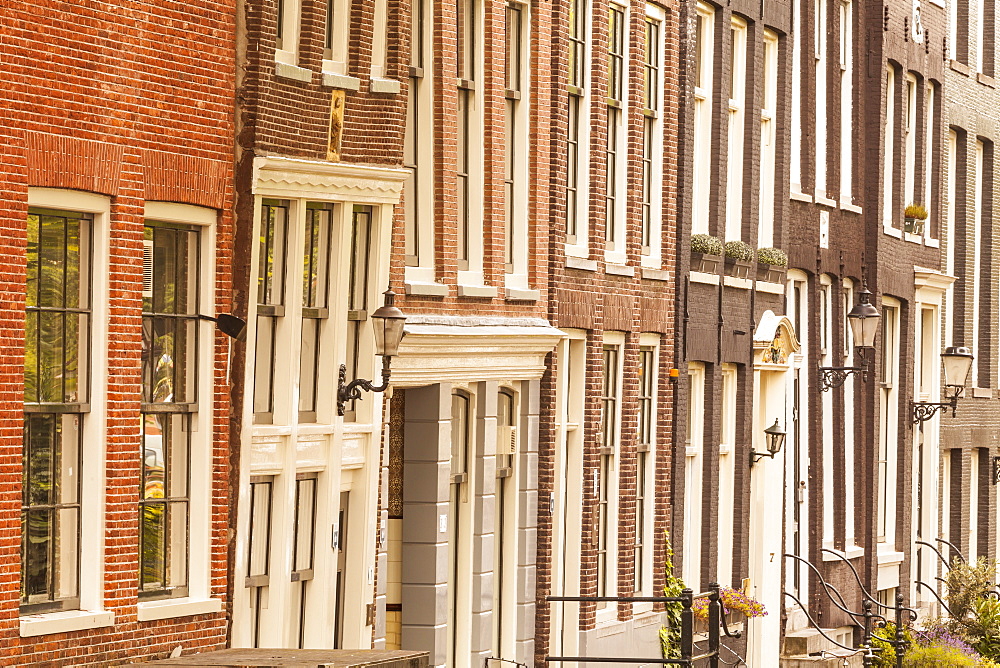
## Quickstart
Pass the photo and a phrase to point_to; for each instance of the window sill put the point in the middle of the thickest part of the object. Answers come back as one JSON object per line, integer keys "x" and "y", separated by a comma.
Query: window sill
{"x": 583, "y": 264}
{"x": 334, "y": 80}
{"x": 64, "y": 622}
{"x": 961, "y": 68}
{"x": 888, "y": 556}
{"x": 419, "y": 289}
{"x": 703, "y": 277}
{"x": 823, "y": 200}
{"x": 851, "y": 552}
{"x": 851, "y": 208}
{"x": 800, "y": 197}
{"x": 892, "y": 231}
{"x": 179, "y": 607}
{"x": 982, "y": 393}
{"x": 650, "y": 274}
{"x": 932, "y": 243}
{"x": 771, "y": 288}
{"x": 391, "y": 86}
{"x": 741, "y": 283}
{"x": 477, "y": 291}
{"x": 522, "y": 295}
{"x": 986, "y": 80}
{"x": 293, "y": 72}
{"x": 619, "y": 269}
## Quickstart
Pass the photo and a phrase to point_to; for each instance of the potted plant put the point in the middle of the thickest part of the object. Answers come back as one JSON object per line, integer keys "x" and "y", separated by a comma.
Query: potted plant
{"x": 736, "y": 606}
{"x": 772, "y": 263}
{"x": 739, "y": 256}
{"x": 914, "y": 217}
{"x": 706, "y": 253}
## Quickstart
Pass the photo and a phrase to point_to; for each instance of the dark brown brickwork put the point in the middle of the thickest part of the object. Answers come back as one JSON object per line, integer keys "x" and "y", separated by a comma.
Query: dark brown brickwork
{"x": 135, "y": 106}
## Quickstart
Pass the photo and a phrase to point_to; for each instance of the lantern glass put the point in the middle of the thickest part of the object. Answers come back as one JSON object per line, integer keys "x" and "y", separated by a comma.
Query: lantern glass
{"x": 775, "y": 437}
{"x": 388, "y": 321}
{"x": 864, "y": 319}
{"x": 957, "y": 364}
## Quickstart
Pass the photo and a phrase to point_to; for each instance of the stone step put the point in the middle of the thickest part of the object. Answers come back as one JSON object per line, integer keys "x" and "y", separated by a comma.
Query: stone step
{"x": 838, "y": 659}
{"x": 809, "y": 641}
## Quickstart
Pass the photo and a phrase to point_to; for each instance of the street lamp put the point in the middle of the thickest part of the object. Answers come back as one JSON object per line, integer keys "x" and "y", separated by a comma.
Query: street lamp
{"x": 774, "y": 437}
{"x": 863, "y": 320}
{"x": 388, "y": 321}
{"x": 957, "y": 362}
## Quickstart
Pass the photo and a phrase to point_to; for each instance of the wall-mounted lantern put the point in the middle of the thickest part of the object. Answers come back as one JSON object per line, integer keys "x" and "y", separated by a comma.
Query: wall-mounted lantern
{"x": 774, "y": 438}
{"x": 957, "y": 362}
{"x": 388, "y": 321}
{"x": 863, "y": 320}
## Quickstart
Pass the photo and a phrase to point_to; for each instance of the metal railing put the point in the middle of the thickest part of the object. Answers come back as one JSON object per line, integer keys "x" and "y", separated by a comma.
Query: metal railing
{"x": 717, "y": 627}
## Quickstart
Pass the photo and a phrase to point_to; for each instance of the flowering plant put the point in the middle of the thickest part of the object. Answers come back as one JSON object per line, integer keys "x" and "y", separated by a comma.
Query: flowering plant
{"x": 733, "y": 600}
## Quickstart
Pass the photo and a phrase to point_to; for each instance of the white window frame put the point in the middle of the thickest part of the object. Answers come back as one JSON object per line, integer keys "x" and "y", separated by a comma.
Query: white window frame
{"x": 607, "y": 612}
{"x": 288, "y": 52}
{"x": 693, "y": 471}
{"x": 737, "y": 129}
{"x": 977, "y": 241}
{"x": 615, "y": 250}
{"x": 910, "y": 139}
{"x": 885, "y": 528}
{"x": 846, "y": 103}
{"x": 889, "y": 154}
{"x": 703, "y": 102}
{"x": 419, "y": 154}
{"x": 473, "y": 277}
{"x": 930, "y": 108}
{"x": 827, "y": 333}
{"x": 516, "y": 275}
{"x": 795, "y": 161}
{"x": 820, "y": 78}
{"x": 339, "y": 28}
{"x": 200, "y": 531}
{"x": 653, "y": 121}
{"x": 645, "y": 565}
{"x": 768, "y": 140}
{"x": 847, "y": 287}
{"x": 727, "y": 472}
{"x": 93, "y": 445}
{"x": 579, "y": 245}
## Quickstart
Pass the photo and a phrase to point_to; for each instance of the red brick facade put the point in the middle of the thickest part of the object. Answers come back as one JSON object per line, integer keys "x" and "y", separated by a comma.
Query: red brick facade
{"x": 135, "y": 105}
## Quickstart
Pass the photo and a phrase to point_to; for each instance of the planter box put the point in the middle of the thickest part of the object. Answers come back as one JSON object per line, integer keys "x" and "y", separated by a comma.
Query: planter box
{"x": 913, "y": 225}
{"x": 771, "y": 273}
{"x": 706, "y": 263}
{"x": 738, "y": 268}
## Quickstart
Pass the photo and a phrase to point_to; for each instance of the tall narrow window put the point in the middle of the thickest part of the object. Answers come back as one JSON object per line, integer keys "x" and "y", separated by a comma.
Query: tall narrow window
{"x": 768, "y": 140}
{"x": 286, "y": 36}
{"x": 357, "y": 301}
{"x": 846, "y": 102}
{"x": 820, "y": 67}
{"x": 259, "y": 548}
{"x": 795, "y": 161}
{"x": 270, "y": 303}
{"x": 461, "y": 416}
{"x": 504, "y": 525}
{"x": 645, "y": 453}
{"x": 889, "y": 149}
{"x": 516, "y": 146}
{"x": 577, "y": 155}
{"x": 418, "y": 148}
{"x": 737, "y": 116}
{"x": 888, "y": 424}
{"x": 701, "y": 156}
{"x": 652, "y": 135}
{"x": 930, "y": 154}
{"x": 56, "y": 379}
{"x": 614, "y": 221}
{"x": 910, "y": 132}
{"x": 691, "y": 553}
{"x": 303, "y": 533}
{"x": 727, "y": 471}
{"x": 468, "y": 67}
{"x": 169, "y": 401}
{"x": 606, "y": 525}
{"x": 315, "y": 311}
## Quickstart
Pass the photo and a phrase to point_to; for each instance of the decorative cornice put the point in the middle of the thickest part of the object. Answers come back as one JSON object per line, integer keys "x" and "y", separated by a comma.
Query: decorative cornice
{"x": 327, "y": 181}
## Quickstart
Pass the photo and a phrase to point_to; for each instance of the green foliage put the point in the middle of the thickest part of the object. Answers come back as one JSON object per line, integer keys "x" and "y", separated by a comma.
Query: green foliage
{"x": 885, "y": 652}
{"x": 967, "y": 583}
{"x": 772, "y": 256}
{"x": 914, "y": 210}
{"x": 707, "y": 244}
{"x": 739, "y": 250}
{"x": 983, "y": 627}
{"x": 919, "y": 657}
{"x": 670, "y": 635}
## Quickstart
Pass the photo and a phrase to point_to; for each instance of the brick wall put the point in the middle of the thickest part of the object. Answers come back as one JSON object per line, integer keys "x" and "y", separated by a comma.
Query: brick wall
{"x": 136, "y": 104}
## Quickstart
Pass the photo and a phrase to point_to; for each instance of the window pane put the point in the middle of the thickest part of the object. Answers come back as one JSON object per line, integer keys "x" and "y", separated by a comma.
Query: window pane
{"x": 309, "y": 364}
{"x": 305, "y": 509}
{"x": 260, "y": 528}
{"x": 264, "y": 365}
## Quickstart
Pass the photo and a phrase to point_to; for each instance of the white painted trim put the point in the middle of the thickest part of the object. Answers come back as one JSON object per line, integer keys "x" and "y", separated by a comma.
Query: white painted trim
{"x": 171, "y": 212}
{"x": 291, "y": 178}
{"x": 65, "y": 622}
{"x": 148, "y": 611}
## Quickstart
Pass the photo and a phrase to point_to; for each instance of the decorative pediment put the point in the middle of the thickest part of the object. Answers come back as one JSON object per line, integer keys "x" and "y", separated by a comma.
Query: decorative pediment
{"x": 327, "y": 181}
{"x": 774, "y": 341}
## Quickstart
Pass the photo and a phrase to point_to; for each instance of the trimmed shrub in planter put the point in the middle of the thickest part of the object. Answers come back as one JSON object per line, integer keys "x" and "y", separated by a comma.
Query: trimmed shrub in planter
{"x": 706, "y": 253}
{"x": 914, "y": 216}
{"x": 772, "y": 264}
{"x": 739, "y": 256}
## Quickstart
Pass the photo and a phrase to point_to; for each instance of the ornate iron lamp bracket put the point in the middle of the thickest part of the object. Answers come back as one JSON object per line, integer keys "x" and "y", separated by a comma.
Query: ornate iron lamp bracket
{"x": 352, "y": 391}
